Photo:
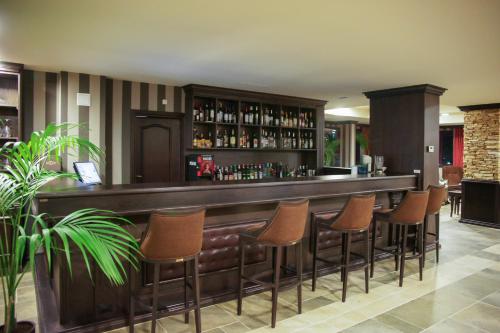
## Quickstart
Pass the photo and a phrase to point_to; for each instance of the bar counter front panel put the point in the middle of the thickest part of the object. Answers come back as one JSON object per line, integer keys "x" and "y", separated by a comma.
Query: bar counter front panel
{"x": 77, "y": 304}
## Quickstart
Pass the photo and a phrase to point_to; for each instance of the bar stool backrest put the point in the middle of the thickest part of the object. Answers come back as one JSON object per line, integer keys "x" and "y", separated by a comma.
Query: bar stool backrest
{"x": 356, "y": 214}
{"x": 173, "y": 235}
{"x": 287, "y": 224}
{"x": 437, "y": 194}
{"x": 412, "y": 208}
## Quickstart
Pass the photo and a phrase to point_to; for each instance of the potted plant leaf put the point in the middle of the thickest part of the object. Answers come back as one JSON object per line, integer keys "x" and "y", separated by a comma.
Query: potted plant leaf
{"x": 97, "y": 234}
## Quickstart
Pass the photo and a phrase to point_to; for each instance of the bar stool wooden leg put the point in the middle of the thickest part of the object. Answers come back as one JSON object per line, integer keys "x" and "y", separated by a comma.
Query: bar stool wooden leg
{"x": 426, "y": 228}
{"x": 315, "y": 255}
{"x": 347, "y": 260}
{"x": 344, "y": 242}
{"x": 452, "y": 205}
{"x": 298, "y": 260}
{"x": 186, "y": 302}
{"x": 398, "y": 245}
{"x": 374, "y": 237}
{"x": 421, "y": 246}
{"x": 241, "y": 265}
{"x": 131, "y": 309}
{"x": 437, "y": 237}
{"x": 276, "y": 283}
{"x": 196, "y": 291}
{"x": 156, "y": 283}
{"x": 403, "y": 255}
{"x": 367, "y": 258}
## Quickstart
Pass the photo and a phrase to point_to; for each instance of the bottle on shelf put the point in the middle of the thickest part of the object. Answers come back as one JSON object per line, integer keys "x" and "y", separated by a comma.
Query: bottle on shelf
{"x": 255, "y": 140}
{"x": 226, "y": 139}
{"x": 232, "y": 140}
{"x": 256, "y": 116}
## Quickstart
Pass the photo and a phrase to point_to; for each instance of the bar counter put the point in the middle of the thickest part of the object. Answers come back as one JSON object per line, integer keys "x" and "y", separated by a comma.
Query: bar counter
{"x": 76, "y": 304}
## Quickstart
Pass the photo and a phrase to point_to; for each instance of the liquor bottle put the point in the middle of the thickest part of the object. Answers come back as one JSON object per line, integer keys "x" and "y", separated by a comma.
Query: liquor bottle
{"x": 226, "y": 139}
{"x": 251, "y": 115}
{"x": 311, "y": 121}
{"x": 220, "y": 113}
{"x": 212, "y": 112}
{"x": 210, "y": 140}
{"x": 195, "y": 138}
{"x": 265, "y": 120}
{"x": 255, "y": 141}
{"x": 195, "y": 113}
{"x": 311, "y": 142}
{"x": 294, "y": 141}
{"x": 256, "y": 116}
{"x": 232, "y": 142}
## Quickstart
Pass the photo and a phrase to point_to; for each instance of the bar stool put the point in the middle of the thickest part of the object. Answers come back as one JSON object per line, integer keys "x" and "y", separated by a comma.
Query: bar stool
{"x": 437, "y": 195}
{"x": 171, "y": 237}
{"x": 286, "y": 228}
{"x": 355, "y": 217}
{"x": 410, "y": 212}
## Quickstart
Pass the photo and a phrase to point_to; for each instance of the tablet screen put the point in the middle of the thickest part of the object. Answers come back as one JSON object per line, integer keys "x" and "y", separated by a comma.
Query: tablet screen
{"x": 87, "y": 172}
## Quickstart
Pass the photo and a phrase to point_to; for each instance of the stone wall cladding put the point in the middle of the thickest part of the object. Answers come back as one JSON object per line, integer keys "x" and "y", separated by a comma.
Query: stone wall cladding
{"x": 482, "y": 144}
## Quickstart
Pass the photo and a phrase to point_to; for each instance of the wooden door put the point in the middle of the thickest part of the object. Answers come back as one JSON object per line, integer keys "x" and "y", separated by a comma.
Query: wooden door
{"x": 156, "y": 144}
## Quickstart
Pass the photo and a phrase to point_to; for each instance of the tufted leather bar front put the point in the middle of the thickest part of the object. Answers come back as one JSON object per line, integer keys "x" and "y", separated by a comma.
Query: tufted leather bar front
{"x": 330, "y": 238}
{"x": 219, "y": 251}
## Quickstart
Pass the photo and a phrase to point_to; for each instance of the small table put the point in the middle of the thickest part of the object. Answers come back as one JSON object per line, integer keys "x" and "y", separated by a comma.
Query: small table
{"x": 455, "y": 201}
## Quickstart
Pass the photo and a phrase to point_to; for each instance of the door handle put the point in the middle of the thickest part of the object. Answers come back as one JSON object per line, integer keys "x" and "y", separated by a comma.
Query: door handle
{"x": 141, "y": 116}
{"x": 138, "y": 176}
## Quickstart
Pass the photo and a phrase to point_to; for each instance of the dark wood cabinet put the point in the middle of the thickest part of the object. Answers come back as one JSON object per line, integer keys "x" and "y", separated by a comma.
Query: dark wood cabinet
{"x": 265, "y": 127}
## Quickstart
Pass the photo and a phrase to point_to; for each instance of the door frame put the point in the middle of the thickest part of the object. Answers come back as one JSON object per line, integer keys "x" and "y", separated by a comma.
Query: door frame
{"x": 134, "y": 114}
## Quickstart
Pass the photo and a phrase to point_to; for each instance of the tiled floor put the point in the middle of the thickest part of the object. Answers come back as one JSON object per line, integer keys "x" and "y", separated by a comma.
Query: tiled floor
{"x": 461, "y": 294}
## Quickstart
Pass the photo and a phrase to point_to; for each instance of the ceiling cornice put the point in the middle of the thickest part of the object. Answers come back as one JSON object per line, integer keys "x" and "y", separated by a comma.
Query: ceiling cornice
{"x": 490, "y": 106}
{"x": 420, "y": 88}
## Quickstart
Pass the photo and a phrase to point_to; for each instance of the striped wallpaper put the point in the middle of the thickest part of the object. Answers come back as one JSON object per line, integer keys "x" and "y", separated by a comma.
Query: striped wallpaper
{"x": 51, "y": 97}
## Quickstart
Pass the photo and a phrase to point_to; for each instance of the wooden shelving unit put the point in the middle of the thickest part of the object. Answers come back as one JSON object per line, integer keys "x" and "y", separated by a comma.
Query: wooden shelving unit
{"x": 238, "y": 103}
{"x": 10, "y": 101}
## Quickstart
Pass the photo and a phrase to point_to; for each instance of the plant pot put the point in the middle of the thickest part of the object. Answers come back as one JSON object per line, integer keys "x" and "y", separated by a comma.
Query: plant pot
{"x": 23, "y": 327}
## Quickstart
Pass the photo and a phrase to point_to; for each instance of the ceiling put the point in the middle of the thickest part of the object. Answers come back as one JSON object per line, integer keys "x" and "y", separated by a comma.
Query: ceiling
{"x": 320, "y": 49}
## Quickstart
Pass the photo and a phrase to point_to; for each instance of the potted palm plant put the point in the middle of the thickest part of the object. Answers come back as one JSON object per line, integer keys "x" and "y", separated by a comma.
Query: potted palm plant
{"x": 97, "y": 234}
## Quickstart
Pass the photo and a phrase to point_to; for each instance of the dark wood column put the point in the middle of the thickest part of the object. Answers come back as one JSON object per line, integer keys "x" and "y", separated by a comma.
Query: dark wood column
{"x": 404, "y": 125}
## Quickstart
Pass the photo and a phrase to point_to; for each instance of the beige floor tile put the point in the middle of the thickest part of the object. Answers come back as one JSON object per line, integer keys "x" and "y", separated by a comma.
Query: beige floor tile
{"x": 492, "y": 299}
{"x": 493, "y": 249}
{"x": 452, "y": 326}
{"x": 372, "y": 326}
{"x": 235, "y": 328}
{"x": 431, "y": 308}
{"x": 397, "y": 323}
{"x": 481, "y": 315}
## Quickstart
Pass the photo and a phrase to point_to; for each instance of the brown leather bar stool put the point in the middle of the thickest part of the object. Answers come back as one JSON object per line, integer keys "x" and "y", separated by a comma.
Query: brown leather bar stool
{"x": 355, "y": 217}
{"x": 410, "y": 212}
{"x": 171, "y": 237}
{"x": 437, "y": 195}
{"x": 286, "y": 228}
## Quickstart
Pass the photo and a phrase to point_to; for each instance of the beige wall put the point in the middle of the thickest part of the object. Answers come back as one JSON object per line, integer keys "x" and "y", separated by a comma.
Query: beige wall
{"x": 482, "y": 144}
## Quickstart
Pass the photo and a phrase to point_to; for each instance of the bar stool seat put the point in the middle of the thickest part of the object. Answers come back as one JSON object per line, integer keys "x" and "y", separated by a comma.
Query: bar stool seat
{"x": 286, "y": 228}
{"x": 170, "y": 237}
{"x": 410, "y": 212}
{"x": 355, "y": 217}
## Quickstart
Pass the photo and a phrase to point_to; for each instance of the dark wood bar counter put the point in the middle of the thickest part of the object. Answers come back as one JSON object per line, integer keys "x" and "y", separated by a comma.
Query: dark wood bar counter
{"x": 76, "y": 304}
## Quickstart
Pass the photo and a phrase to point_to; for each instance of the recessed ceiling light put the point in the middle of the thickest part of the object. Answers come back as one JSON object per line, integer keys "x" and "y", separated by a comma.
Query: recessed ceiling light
{"x": 445, "y": 114}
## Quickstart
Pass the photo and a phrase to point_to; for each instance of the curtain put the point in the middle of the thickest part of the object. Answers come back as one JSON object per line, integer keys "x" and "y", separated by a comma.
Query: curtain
{"x": 458, "y": 146}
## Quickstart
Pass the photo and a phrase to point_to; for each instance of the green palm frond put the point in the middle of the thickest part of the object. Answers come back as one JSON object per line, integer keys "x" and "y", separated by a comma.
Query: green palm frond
{"x": 95, "y": 233}
{"x": 98, "y": 235}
